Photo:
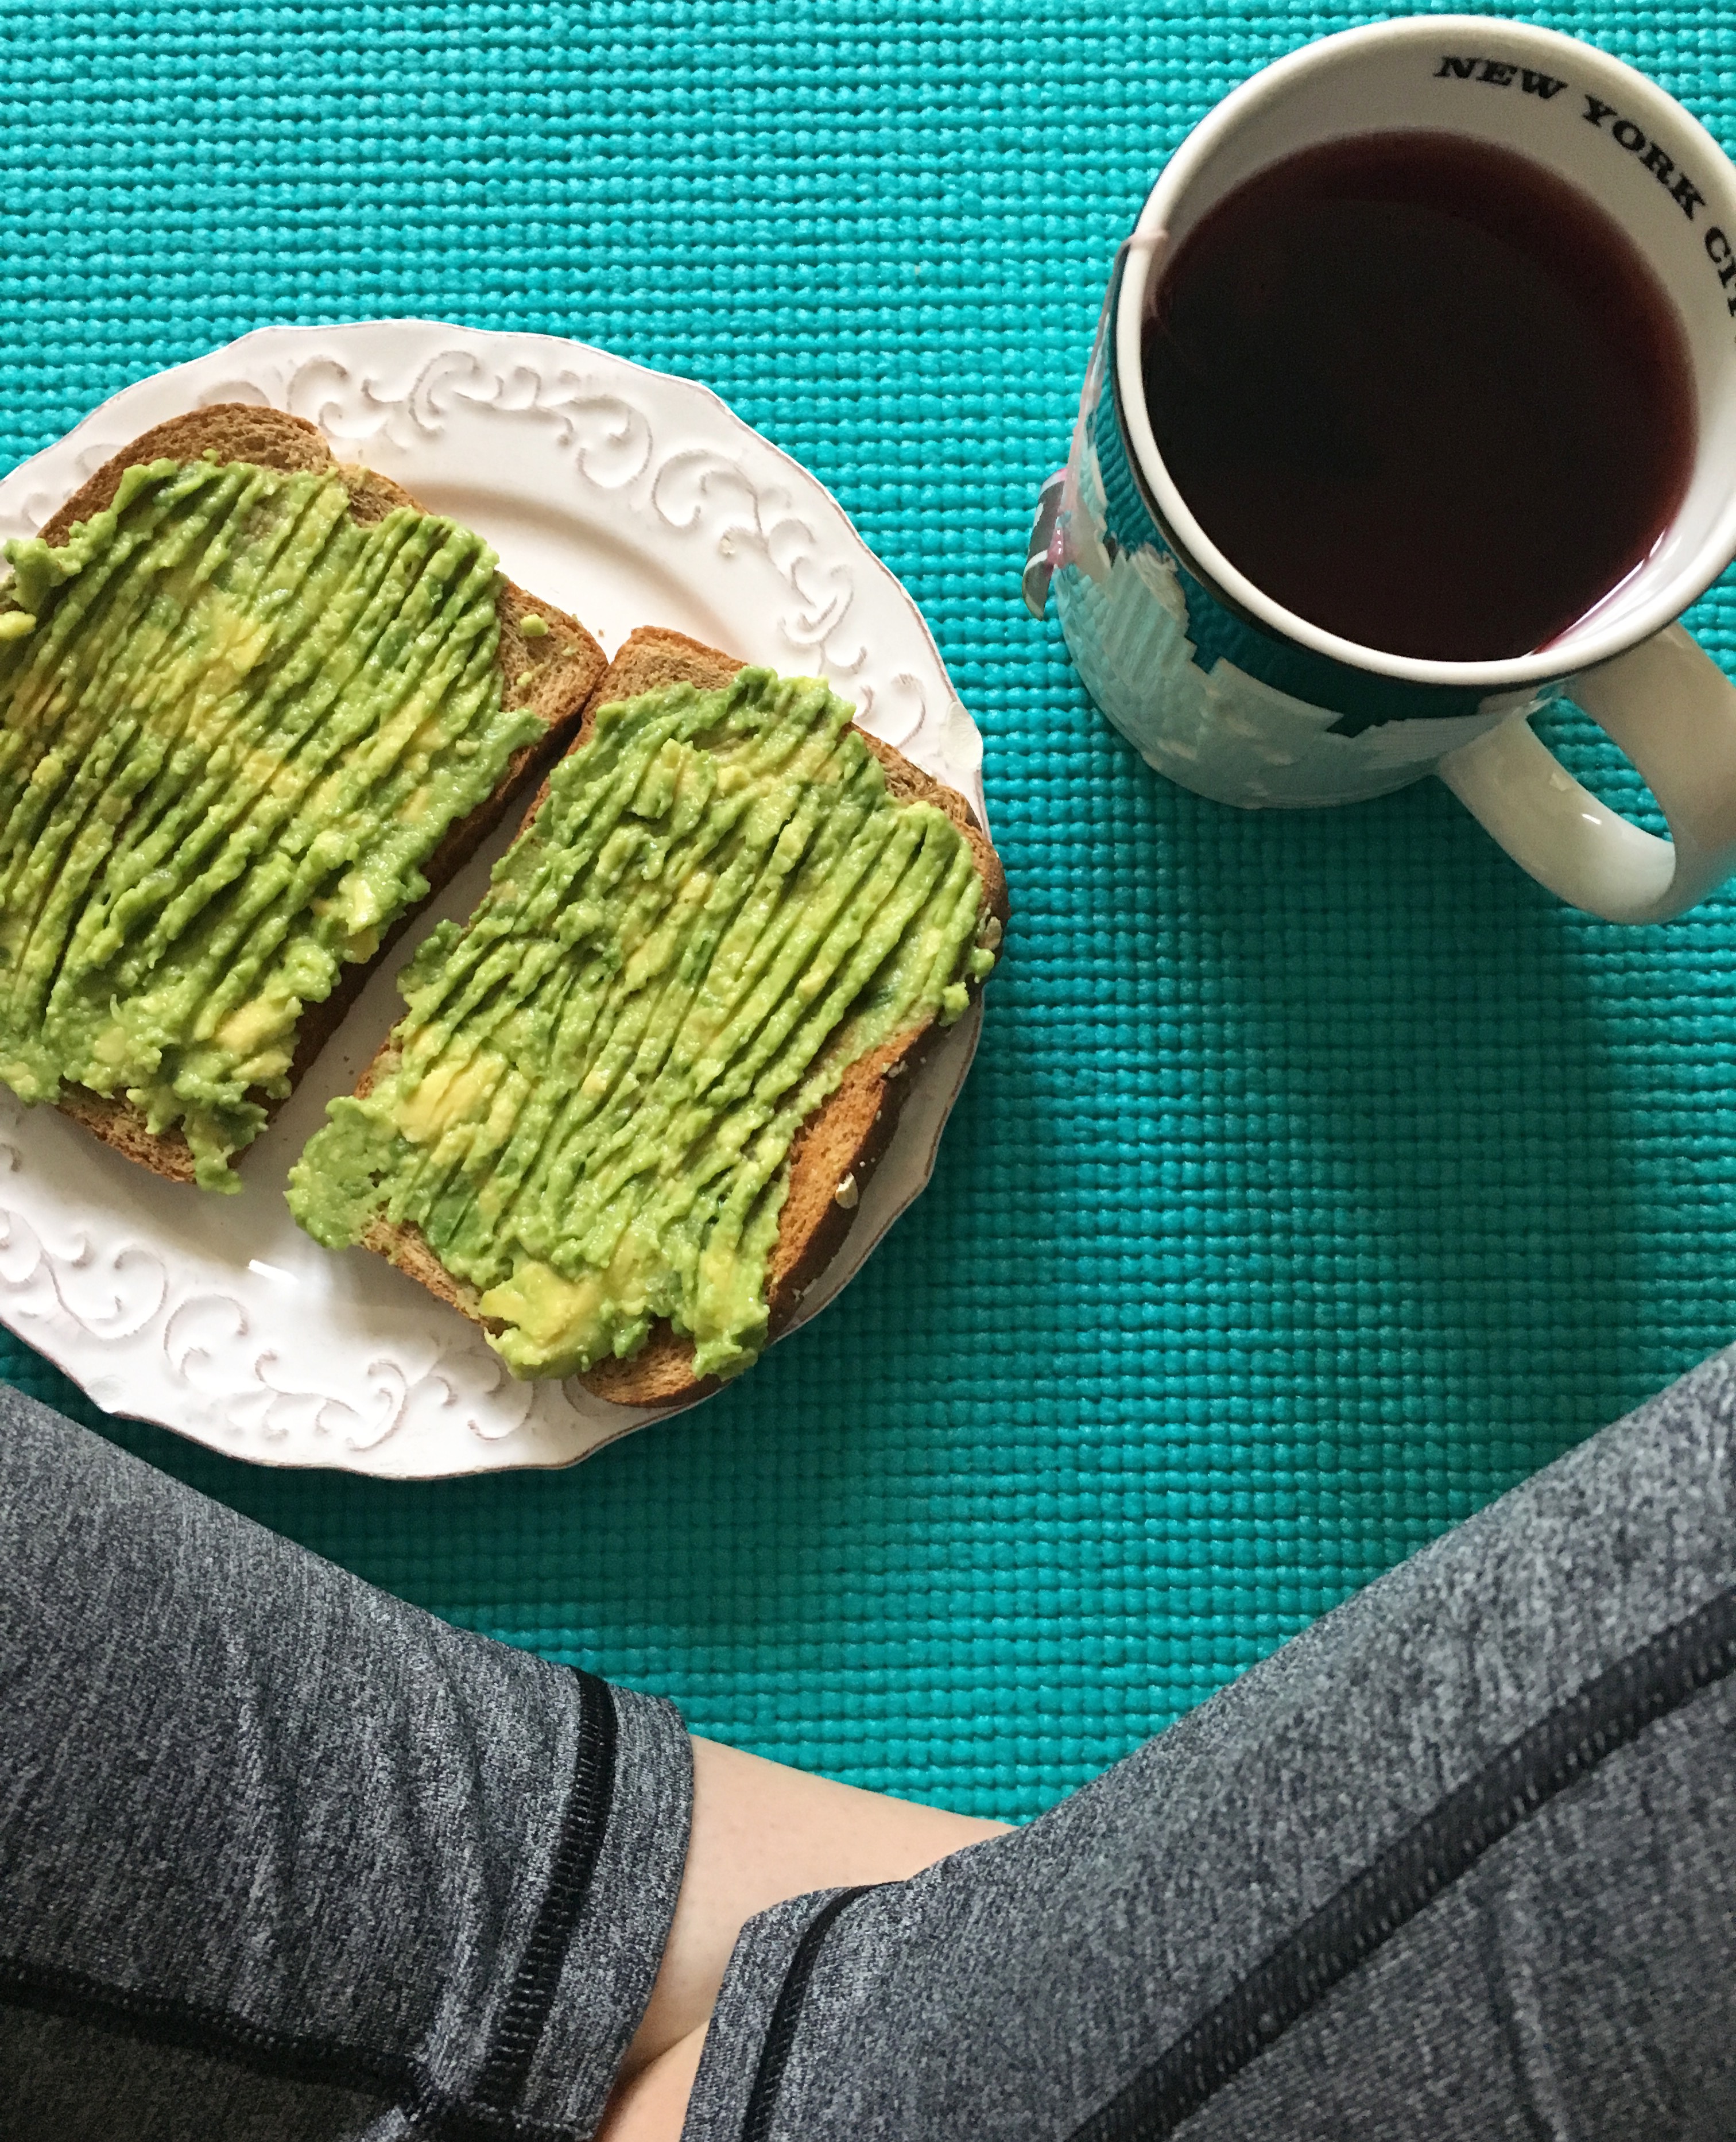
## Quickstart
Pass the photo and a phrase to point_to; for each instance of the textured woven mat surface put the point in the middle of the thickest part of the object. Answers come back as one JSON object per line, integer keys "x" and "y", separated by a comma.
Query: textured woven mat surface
{"x": 1319, "y": 1176}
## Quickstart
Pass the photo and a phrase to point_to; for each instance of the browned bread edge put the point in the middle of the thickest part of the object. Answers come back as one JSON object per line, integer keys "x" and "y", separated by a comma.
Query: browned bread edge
{"x": 843, "y": 1139}
{"x": 270, "y": 438}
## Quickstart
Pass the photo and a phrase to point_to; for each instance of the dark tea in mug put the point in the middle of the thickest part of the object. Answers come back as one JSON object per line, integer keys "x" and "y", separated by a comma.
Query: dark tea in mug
{"x": 1423, "y": 393}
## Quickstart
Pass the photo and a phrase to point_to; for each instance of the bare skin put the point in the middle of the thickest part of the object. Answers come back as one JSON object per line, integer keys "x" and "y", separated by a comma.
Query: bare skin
{"x": 761, "y": 1832}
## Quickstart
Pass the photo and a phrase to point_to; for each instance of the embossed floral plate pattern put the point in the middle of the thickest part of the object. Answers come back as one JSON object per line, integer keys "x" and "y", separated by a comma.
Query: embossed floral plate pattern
{"x": 629, "y": 497}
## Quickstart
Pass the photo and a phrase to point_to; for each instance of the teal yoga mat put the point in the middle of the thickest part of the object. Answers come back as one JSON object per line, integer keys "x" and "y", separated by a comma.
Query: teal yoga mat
{"x": 1319, "y": 1176}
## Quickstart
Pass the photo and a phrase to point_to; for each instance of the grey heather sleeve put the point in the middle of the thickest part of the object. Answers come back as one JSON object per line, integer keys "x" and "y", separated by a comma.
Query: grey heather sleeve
{"x": 1459, "y": 1862}
{"x": 280, "y": 1855}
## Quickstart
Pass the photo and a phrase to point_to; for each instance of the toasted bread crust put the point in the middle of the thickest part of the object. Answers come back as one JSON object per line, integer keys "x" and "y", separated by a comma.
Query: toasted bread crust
{"x": 569, "y": 666}
{"x": 843, "y": 1138}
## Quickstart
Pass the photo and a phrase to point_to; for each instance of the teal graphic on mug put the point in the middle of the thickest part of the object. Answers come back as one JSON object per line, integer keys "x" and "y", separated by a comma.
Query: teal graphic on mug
{"x": 1269, "y": 645}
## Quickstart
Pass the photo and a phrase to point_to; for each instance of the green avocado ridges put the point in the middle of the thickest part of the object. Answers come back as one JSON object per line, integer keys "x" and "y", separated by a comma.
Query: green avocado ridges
{"x": 588, "y": 1111}
{"x": 233, "y": 723}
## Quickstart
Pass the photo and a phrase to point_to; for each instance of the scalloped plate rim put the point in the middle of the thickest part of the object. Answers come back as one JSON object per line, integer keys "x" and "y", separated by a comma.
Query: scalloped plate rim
{"x": 550, "y": 1434}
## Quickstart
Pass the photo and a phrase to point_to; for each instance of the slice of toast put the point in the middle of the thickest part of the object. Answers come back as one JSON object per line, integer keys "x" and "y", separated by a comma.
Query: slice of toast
{"x": 836, "y": 1149}
{"x": 568, "y": 664}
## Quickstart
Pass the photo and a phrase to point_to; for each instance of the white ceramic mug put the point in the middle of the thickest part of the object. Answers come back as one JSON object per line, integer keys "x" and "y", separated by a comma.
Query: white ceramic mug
{"x": 1228, "y": 693}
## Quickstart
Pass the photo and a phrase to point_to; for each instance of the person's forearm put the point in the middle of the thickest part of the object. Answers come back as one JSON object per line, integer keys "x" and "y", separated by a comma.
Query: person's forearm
{"x": 220, "y": 1753}
{"x": 763, "y": 1832}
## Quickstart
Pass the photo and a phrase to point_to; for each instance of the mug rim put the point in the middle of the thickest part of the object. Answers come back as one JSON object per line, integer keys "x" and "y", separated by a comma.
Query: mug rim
{"x": 1572, "y": 652}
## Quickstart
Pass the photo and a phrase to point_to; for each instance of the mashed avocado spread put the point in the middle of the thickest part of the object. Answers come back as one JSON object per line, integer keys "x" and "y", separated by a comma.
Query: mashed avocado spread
{"x": 588, "y": 1111}
{"x": 234, "y": 722}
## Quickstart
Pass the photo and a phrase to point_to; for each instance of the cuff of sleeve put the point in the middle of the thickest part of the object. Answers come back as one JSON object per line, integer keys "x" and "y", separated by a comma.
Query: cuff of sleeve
{"x": 739, "y": 2066}
{"x": 616, "y": 1936}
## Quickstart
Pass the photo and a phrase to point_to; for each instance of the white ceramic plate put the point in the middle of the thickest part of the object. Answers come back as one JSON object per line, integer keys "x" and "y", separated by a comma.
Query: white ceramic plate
{"x": 630, "y": 498}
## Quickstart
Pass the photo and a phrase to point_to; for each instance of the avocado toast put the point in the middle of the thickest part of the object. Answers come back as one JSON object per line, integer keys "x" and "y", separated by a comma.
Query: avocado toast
{"x": 254, "y": 707}
{"x": 629, "y": 1117}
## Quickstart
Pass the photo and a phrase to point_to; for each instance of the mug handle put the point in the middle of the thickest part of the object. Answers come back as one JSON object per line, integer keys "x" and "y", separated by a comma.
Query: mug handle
{"x": 1668, "y": 706}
